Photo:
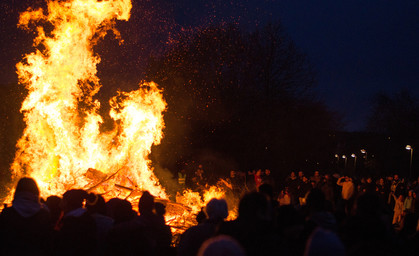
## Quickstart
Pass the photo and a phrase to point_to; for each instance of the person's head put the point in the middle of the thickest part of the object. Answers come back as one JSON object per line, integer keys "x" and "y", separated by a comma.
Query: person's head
{"x": 96, "y": 204}
{"x": 324, "y": 242}
{"x": 381, "y": 181}
{"x": 146, "y": 203}
{"x": 160, "y": 208}
{"x": 410, "y": 193}
{"x": 217, "y": 209}
{"x": 396, "y": 177}
{"x": 232, "y": 174}
{"x": 268, "y": 172}
{"x": 268, "y": 190}
{"x": 27, "y": 185}
{"x": 316, "y": 173}
{"x": 300, "y": 174}
{"x": 53, "y": 203}
{"x": 369, "y": 180}
{"x": 120, "y": 210}
{"x": 259, "y": 172}
{"x": 410, "y": 223}
{"x": 292, "y": 175}
{"x": 254, "y": 207}
{"x": 73, "y": 199}
{"x": 316, "y": 200}
{"x": 221, "y": 245}
{"x": 368, "y": 204}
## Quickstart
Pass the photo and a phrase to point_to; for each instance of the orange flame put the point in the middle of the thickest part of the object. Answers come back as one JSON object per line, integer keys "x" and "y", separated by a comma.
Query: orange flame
{"x": 62, "y": 146}
{"x": 62, "y": 139}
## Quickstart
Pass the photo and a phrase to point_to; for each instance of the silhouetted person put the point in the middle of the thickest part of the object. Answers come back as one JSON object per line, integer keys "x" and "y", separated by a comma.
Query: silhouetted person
{"x": 201, "y": 216}
{"x": 158, "y": 231}
{"x": 292, "y": 183}
{"x": 318, "y": 215}
{"x": 96, "y": 208}
{"x": 25, "y": 227}
{"x": 408, "y": 237}
{"x": 268, "y": 190}
{"x": 54, "y": 206}
{"x": 127, "y": 237}
{"x": 164, "y": 247}
{"x": 369, "y": 231}
{"x": 77, "y": 229}
{"x": 192, "y": 239}
{"x": 120, "y": 210}
{"x": 221, "y": 245}
{"x": 160, "y": 210}
{"x": 324, "y": 243}
{"x": 289, "y": 226}
{"x": 267, "y": 178}
{"x": 253, "y": 228}
{"x": 328, "y": 188}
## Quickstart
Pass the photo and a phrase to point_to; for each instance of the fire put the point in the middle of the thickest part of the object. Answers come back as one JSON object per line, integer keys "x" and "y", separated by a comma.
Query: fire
{"x": 195, "y": 201}
{"x": 62, "y": 146}
{"x": 62, "y": 139}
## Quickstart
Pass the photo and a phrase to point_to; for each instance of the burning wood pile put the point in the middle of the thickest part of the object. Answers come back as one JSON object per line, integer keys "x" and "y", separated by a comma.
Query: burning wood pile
{"x": 63, "y": 136}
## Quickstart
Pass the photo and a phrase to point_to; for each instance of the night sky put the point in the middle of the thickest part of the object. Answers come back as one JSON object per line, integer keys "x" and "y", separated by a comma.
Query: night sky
{"x": 358, "y": 47}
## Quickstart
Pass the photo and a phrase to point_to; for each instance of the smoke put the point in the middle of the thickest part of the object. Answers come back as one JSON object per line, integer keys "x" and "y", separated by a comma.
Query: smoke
{"x": 167, "y": 180}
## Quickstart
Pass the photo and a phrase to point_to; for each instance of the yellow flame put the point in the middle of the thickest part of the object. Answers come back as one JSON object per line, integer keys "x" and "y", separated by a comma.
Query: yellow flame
{"x": 62, "y": 138}
{"x": 62, "y": 146}
{"x": 195, "y": 201}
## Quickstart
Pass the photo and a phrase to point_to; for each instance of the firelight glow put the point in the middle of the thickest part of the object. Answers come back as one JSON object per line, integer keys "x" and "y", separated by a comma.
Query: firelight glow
{"x": 62, "y": 139}
{"x": 62, "y": 146}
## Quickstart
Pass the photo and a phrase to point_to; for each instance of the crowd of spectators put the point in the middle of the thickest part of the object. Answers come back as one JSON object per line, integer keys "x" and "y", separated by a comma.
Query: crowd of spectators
{"x": 319, "y": 215}
{"x": 81, "y": 223}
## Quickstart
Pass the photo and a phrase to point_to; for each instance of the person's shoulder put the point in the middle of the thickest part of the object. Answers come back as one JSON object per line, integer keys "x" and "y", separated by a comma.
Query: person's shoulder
{"x": 43, "y": 213}
{"x": 8, "y": 212}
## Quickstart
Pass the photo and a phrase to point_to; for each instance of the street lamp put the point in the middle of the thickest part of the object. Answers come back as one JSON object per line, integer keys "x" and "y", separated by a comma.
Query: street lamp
{"x": 408, "y": 147}
{"x": 354, "y": 156}
{"x": 363, "y": 151}
{"x": 346, "y": 159}
{"x": 337, "y": 160}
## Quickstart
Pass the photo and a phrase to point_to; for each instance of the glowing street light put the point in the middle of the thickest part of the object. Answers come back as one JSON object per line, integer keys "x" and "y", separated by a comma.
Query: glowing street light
{"x": 408, "y": 147}
{"x": 363, "y": 151}
{"x": 354, "y": 156}
{"x": 337, "y": 159}
{"x": 346, "y": 159}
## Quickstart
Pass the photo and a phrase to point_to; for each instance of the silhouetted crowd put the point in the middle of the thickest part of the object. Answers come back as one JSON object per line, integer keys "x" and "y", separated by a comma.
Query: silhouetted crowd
{"x": 82, "y": 223}
{"x": 319, "y": 215}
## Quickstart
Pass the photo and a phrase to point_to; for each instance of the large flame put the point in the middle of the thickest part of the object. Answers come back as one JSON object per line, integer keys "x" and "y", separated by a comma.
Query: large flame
{"x": 62, "y": 146}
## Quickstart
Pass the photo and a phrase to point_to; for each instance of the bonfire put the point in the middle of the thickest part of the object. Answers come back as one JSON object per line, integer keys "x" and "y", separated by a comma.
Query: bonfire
{"x": 62, "y": 146}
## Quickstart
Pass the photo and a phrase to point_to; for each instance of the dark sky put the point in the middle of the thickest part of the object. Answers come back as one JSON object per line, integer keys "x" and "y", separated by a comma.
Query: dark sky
{"x": 358, "y": 47}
